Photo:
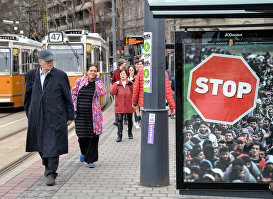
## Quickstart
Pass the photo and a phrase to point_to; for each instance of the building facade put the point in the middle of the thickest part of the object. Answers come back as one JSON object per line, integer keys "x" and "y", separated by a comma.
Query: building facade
{"x": 37, "y": 18}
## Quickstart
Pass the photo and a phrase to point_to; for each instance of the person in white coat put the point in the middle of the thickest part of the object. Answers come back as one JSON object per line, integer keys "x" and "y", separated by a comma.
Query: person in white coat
{"x": 204, "y": 133}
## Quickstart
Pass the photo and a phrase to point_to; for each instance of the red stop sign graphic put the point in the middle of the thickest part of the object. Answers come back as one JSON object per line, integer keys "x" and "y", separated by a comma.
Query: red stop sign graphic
{"x": 223, "y": 88}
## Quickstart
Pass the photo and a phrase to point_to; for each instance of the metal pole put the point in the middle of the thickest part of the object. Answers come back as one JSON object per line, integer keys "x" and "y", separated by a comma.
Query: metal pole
{"x": 45, "y": 19}
{"x": 114, "y": 35}
{"x": 154, "y": 167}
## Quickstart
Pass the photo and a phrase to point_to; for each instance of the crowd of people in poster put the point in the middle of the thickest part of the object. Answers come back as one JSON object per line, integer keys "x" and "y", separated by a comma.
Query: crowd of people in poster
{"x": 242, "y": 152}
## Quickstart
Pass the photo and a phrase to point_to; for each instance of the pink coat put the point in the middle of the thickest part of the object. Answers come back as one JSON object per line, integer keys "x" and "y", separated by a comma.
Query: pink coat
{"x": 96, "y": 111}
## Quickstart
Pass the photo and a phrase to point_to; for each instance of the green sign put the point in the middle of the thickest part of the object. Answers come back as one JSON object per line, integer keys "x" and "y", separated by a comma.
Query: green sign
{"x": 147, "y": 47}
{"x": 147, "y": 62}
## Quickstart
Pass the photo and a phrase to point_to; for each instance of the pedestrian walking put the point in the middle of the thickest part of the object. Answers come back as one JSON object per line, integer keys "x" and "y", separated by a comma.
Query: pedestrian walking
{"x": 116, "y": 77}
{"x": 132, "y": 77}
{"x": 49, "y": 109}
{"x": 123, "y": 90}
{"x": 121, "y": 64}
{"x": 88, "y": 114}
{"x": 138, "y": 92}
{"x": 139, "y": 65}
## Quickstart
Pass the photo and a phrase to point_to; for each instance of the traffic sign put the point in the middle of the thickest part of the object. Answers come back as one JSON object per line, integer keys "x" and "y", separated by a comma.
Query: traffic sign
{"x": 223, "y": 88}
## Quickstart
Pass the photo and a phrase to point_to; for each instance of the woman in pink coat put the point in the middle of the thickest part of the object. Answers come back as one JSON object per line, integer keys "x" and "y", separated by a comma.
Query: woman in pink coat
{"x": 123, "y": 90}
{"x": 88, "y": 116}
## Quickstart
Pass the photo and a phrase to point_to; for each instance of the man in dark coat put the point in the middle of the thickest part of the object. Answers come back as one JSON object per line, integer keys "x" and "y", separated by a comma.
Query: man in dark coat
{"x": 49, "y": 109}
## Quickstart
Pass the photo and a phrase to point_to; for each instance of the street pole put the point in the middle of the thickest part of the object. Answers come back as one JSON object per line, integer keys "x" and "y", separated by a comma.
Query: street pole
{"x": 45, "y": 18}
{"x": 114, "y": 35}
{"x": 154, "y": 166}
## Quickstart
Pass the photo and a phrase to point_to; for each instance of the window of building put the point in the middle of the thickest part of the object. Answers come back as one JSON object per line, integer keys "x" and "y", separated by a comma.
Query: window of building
{"x": 138, "y": 12}
{"x": 129, "y": 14}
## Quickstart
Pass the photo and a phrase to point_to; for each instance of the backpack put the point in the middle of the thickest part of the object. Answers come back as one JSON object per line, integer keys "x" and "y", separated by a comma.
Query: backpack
{"x": 32, "y": 78}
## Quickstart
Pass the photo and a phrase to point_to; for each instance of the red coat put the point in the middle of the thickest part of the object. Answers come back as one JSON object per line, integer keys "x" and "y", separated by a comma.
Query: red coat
{"x": 138, "y": 93}
{"x": 115, "y": 76}
{"x": 123, "y": 101}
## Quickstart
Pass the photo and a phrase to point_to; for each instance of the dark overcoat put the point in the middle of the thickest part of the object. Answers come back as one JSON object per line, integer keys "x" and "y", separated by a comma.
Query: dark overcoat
{"x": 48, "y": 111}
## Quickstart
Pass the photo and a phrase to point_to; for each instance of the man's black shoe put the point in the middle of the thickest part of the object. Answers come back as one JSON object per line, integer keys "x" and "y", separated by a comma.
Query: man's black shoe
{"x": 50, "y": 181}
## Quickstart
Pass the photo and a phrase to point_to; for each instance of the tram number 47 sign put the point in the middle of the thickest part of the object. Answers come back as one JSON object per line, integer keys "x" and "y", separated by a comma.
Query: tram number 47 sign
{"x": 223, "y": 88}
{"x": 55, "y": 37}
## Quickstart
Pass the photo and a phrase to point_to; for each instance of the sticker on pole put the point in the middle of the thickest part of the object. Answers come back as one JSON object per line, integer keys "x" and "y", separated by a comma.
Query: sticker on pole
{"x": 151, "y": 128}
{"x": 223, "y": 88}
{"x": 147, "y": 86}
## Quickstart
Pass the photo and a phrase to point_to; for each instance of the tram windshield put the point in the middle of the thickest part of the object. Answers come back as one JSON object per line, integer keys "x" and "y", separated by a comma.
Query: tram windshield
{"x": 69, "y": 58}
{"x": 4, "y": 62}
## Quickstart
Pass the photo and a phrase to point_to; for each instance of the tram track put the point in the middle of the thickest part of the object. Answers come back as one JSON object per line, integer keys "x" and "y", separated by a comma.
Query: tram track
{"x": 6, "y": 115}
{"x": 12, "y": 134}
{"x": 5, "y": 112}
{"x": 14, "y": 164}
{"x": 19, "y": 161}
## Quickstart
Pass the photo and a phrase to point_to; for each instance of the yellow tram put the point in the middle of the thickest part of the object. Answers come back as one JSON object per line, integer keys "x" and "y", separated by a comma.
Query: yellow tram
{"x": 75, "y": 50}
{"x": 18, "y": 54}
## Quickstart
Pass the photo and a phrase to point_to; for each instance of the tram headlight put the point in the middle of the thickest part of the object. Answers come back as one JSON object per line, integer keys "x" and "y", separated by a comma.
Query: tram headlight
{"x": 66, "y": 40}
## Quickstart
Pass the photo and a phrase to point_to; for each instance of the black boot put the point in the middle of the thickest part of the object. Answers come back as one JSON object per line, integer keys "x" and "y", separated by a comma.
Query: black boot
{"x": 130, "y": 135}
{"x": 119, "y": 138}
{"x": 130, "y": 125}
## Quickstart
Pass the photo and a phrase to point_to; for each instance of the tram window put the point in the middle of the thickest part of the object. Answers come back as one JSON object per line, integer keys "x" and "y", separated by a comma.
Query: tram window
{"x": 4, "y": 62}
{"x": 97, "y": 56}
{"x": 25, "y": 62}
{"x": 69, "y": 58}
{"x": 35, "y": 58}
{"x": 88, "y": 59}
{"x": 88, "y": 55}
{"x": 103, "y": 57}
{"x": 15, "y": 69}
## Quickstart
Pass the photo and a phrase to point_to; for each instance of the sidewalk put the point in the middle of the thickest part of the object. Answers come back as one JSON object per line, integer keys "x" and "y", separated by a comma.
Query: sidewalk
{"x": 116, "y": 175}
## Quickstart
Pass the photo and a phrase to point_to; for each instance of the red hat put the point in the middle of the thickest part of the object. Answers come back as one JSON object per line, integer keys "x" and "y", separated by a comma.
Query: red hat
{"x": 243, "y": 139}
{"x": 189, "y": 158}
{"x": 242, "y": 155}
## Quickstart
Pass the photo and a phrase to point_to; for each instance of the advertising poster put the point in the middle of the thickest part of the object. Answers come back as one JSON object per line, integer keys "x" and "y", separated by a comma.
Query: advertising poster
{"x": 224, "y": 109}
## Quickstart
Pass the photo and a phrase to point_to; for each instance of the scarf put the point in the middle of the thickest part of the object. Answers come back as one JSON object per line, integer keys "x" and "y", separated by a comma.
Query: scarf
{"x": 204, "y": 135}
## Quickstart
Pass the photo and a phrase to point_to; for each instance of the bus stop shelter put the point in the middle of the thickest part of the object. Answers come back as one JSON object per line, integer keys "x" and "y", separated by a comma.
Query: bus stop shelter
{"x": 159, "y": 10}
